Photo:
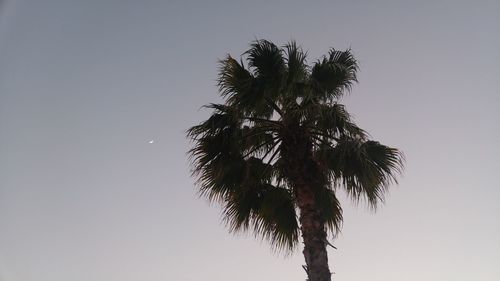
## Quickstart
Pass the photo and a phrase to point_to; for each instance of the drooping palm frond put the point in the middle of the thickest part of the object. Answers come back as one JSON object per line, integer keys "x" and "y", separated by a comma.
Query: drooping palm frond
{"x": 250, "y": 201}
{"x": 363, "y": 168}
{"x": 266, "y": 209}
{"x": 217, "y": 164}
{"x": 232, "y": 161}
{"x": 330, "y": 209}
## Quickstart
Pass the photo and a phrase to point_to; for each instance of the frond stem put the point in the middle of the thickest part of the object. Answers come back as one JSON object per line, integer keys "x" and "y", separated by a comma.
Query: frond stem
{"x": 271, "y": 149}
{"x": 274, "y": 106}
{"x": 259, "y": 130}
{"x": 261, "y": 145}
{"x": 272, "y": 156}
{"x": 316, "y": 132}
{"x": 255, "y": 119}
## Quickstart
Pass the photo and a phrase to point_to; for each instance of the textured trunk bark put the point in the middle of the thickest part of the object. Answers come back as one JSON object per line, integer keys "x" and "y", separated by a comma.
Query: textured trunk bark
{"x": 303, "y": 174}
{"x": 314, "y": 236}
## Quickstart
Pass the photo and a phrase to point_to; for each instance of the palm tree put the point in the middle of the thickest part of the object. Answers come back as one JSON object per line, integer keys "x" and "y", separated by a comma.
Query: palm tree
{"x": 281, "y": 146}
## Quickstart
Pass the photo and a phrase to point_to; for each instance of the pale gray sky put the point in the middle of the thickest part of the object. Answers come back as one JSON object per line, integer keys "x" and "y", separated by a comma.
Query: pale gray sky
{"x": 85, "y": 85}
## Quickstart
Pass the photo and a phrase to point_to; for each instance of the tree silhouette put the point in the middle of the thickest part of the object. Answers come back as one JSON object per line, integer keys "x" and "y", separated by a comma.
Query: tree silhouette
{"x": 281, "y": 146}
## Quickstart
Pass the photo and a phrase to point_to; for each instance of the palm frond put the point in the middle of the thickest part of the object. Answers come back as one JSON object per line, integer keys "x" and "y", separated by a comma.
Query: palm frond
{"x": 333, "y": 121}
{"x": 266, "y": 59}
{"x": 330, "y": 209}
{"x": 333, "y": 75}
{"x": 363, "y": 168}
{"x": 296, "y": 62}
{"x": 223, "y": 117}
{"x": 217, "y": 164}
{"x": 234, "y": 78}
{"x": 268, "y": 211}
{"x": 244, "y": 91}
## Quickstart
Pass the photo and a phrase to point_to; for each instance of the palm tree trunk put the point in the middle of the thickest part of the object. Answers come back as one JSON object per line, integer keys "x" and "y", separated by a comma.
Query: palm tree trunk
{"x": 314, "y": 236}
{"x": 303, "y": 173}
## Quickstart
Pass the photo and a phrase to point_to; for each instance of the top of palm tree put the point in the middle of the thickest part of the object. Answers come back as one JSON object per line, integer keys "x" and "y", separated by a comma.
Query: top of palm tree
{"x": 281, "y": 123}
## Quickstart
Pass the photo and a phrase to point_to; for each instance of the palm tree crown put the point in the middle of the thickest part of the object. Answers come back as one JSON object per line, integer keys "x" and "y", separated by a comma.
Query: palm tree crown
{"x": 281, "y": 145}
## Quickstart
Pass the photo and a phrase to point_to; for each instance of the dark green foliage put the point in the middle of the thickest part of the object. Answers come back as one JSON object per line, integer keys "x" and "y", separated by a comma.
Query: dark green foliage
{"x": 238, "y": 151}
{"x": 364, "y": 168}
{"x": 334, "y": 74}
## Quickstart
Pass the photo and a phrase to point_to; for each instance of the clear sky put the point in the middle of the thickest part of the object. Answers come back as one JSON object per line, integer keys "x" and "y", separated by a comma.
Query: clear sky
{"x": 85, "y": 85}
